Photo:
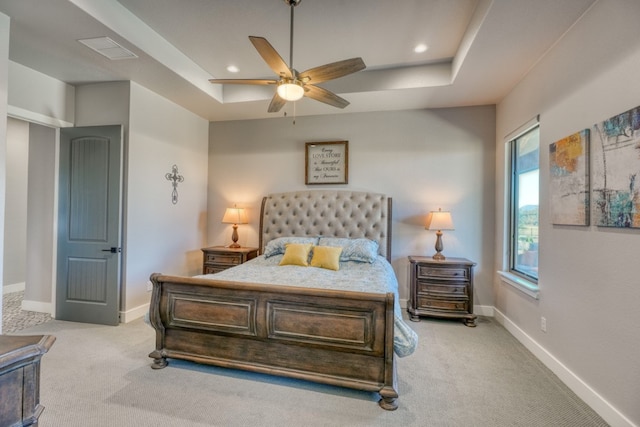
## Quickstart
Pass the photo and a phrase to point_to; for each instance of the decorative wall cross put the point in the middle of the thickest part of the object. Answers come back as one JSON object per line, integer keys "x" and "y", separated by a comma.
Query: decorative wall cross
{"x": 175, "y": 179}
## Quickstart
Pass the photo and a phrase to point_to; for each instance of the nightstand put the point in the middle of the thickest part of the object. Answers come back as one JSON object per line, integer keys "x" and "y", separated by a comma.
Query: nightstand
{"x": 441, "y": 289}
{"x": 218, "y": 258}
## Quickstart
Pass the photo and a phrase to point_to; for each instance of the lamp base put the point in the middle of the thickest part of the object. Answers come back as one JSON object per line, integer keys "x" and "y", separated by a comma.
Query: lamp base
{"x": 234, "y": 237}
{"x": 438, "y": 256}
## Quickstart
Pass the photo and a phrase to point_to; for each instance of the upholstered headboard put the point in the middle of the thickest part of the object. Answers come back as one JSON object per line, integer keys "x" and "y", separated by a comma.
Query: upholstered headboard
{"x": 331, "y": 213}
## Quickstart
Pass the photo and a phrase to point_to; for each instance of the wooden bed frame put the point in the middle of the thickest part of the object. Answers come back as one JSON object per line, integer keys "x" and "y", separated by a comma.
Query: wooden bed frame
{"x": 327, "y": 336}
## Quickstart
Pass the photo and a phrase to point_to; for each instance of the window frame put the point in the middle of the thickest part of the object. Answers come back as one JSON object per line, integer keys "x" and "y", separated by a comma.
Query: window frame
{"x": 512, "y": 207}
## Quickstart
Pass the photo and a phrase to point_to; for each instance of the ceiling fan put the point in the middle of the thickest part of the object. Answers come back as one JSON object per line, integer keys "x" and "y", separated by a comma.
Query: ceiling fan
{"x": 292, "y": 85}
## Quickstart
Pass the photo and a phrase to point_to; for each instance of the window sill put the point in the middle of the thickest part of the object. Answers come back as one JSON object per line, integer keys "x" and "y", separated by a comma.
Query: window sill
{"x": 527, "y": 287}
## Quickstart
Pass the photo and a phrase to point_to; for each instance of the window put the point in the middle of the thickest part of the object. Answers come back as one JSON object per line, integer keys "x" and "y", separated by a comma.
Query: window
{"x": 523, "y": 229}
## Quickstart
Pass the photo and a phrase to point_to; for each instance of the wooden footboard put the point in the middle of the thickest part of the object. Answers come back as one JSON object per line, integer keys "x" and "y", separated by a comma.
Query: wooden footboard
{"x": 327, "y": 336}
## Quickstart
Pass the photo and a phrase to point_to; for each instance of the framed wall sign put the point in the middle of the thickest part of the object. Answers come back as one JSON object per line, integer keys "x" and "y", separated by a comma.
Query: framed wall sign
{"x": 326, "y": 162}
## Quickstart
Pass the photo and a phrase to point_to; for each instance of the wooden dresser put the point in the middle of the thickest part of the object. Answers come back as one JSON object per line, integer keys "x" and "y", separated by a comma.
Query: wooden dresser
{"x": 441, "y": 289}
{"x": 20, "y": 378}
{"x": 218, "y": 258}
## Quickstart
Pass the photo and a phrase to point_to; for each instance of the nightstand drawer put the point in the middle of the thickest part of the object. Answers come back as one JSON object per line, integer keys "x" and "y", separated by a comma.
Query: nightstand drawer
{"x": 212, "y": 269}
{"x": 443, "y": 273}
{"x": 227, "y": 259}
{"x": 448, "y": 304}
{"x": 443, "y": 289}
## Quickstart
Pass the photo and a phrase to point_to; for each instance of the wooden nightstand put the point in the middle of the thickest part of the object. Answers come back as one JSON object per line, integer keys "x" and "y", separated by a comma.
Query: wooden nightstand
{"x": 441, "y": 289}
{"x": 218, "y": 258}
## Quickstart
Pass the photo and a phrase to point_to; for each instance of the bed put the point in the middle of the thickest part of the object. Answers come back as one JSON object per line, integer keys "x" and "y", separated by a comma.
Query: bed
{"x": 303, "y": 325}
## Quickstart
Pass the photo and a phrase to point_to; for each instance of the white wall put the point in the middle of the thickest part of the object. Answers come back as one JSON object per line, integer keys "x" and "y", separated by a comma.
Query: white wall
{"x": 39, "y": 98}
{"x": 162, "y": 236}
{"x": 15, "y": 219}
{"x": 423, "y": 159}
{"x": 41, "y": 211}
{"x": 589, "y": 276}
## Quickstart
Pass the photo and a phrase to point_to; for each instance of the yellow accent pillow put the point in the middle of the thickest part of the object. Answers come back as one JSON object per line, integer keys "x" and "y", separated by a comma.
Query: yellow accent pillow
{"x": 326, "y": 257}
{"x": 296, "y": 254}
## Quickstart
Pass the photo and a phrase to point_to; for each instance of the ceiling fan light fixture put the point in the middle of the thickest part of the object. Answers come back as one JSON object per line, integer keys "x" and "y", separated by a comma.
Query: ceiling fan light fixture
{"x": 290, "y": 90}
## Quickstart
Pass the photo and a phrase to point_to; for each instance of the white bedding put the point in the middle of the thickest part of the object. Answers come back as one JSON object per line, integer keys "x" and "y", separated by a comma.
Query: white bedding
{"x": 377, "y": 277}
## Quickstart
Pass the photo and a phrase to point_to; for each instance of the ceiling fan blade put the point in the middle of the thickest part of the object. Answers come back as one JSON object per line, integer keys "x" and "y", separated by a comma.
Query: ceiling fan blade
{"x": 323, "y": 95}
{"x": 332, "y": 71}
{"x": 276, "y": 103}
{"x": 244, "y": 81}
{"x": 271, "y": 57}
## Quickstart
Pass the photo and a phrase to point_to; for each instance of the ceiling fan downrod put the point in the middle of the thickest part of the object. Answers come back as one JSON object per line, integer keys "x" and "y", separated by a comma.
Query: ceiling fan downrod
{"x": 292, "y": 4}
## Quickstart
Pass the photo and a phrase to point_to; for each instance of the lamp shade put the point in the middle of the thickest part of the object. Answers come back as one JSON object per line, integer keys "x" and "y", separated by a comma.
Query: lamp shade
{"x": 234, "y": 216}
{"x": 439, "y": 220}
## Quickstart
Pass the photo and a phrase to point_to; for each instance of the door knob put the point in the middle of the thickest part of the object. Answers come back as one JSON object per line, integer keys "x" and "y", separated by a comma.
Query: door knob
{"x": 113, "y": 250}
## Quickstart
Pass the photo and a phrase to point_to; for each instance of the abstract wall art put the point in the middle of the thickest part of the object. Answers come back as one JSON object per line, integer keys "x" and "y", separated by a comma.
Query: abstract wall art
{"x": 616, "y": 170}
{"x": 569, "y": 179}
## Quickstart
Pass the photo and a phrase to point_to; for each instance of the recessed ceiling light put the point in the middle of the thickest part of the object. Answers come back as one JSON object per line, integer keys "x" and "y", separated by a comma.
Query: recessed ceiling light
{"x": 420, "y": 48}
{"x": 232, "y": 69}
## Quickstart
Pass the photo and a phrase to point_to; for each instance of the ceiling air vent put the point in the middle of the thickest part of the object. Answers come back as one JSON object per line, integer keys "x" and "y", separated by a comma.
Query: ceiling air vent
{"x": 107, "y": 47}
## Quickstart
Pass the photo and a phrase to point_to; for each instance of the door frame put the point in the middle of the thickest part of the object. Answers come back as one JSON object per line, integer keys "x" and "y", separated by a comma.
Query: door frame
{"x": 121, "y": 215}
{"x": 54, "y": 250}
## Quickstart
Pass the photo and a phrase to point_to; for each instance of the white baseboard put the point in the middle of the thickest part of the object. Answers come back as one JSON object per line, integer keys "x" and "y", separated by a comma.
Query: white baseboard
{"x": 483, "y": 310}
{"x": 14, "y": 287}
{"x": 133, "y": 314}
{"x": 39, "y": 306}
{"x": 610, "y": 414}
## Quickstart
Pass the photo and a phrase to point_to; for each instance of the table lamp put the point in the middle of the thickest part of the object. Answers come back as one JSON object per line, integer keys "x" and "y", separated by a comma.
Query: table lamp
{"x": 234, "y": 216}
{"x": 439, "y": 220}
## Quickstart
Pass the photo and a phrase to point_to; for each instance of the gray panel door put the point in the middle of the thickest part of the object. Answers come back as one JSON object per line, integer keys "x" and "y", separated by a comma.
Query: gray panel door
{"x": 89, "y": 216}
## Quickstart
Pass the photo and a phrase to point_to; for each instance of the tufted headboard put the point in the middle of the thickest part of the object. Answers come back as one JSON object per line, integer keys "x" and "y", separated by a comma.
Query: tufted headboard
{"x": 331, "y": 213}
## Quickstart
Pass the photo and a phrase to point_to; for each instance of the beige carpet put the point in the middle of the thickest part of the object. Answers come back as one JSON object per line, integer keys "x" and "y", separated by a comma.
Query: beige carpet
{"x": 97, "y": 376}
